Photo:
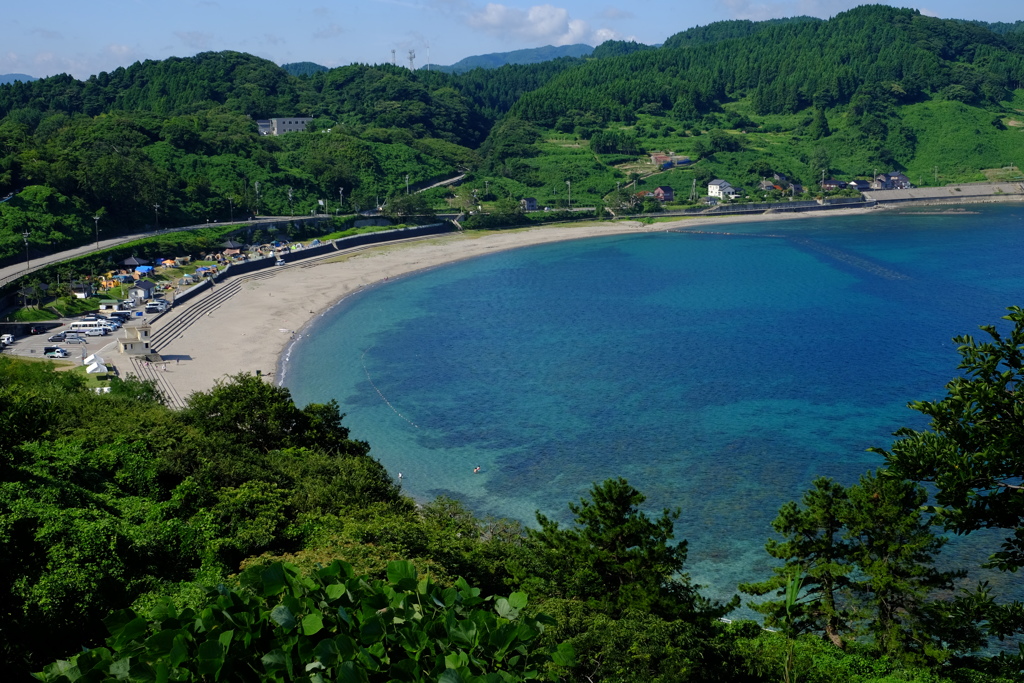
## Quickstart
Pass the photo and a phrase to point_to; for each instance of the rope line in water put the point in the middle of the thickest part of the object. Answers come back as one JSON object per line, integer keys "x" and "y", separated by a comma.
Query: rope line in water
{"x": 837, "y": 254}
{"x": 382, "y": 396}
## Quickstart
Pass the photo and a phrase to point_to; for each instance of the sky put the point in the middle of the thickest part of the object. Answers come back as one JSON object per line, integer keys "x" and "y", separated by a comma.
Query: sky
{"x": 85, "y": 38}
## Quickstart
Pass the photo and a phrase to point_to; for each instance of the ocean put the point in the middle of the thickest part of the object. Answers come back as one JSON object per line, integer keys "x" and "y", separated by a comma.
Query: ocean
{"x": 719, "y": 372}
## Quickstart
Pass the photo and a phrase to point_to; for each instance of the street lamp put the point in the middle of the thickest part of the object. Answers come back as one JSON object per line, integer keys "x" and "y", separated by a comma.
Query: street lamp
{"x": 156, "y": 215}
{"x": 24, "y": 236}
{"x": 257, "y": 186}
{"x": 290, "y": 211}
{"x": 97, "y": 219}
{"x": 231, "y": 210}
{"x": 341, "y": 198}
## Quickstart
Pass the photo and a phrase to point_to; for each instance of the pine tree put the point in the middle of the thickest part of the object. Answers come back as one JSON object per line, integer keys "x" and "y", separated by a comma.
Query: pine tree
{"x": 894, "y": 547}
{"x": 814, "y": 550}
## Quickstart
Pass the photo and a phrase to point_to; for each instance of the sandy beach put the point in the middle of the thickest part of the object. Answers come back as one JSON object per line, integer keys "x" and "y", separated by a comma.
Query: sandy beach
{"x": 251, "y": 330}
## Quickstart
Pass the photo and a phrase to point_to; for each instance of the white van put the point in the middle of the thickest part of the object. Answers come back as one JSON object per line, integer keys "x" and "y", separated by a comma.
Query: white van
{"x": 7, "y": 339}
{"x": 90, "y": 327}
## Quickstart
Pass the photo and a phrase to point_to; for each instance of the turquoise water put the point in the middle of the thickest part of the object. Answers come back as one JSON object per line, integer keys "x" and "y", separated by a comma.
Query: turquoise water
{"x": 718, "y": 373}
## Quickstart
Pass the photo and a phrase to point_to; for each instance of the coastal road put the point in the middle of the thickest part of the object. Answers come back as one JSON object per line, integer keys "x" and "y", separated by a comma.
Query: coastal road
{"x": 18, "y": 270}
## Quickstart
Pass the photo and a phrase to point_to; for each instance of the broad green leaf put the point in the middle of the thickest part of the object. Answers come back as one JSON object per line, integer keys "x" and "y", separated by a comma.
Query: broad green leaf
{"x": 564, "y": 655}
{"x": 450, "y": 676}
{"x": 402, "y": 574}
{"x": 283, "y": 617}
{"x": 312, "y": 624}
{"x": 464, "y": 632}
{"x": 160, "y": 643}
{"x": 275, "y": 660}
{"x": 349, "y": 672}
{"x": 179, "y": 650}
{"x": 518, "y": 601}
{"x": 343, "y": 614}
{"x": 225, "y": 639}
{"x": 335, "y": 591}
{"x": 163, "y": 609}
{"x": 134, "y": 629}
{"x": 119, "y": 668}
{"x": 327, "y": 652}
{"x": 116, "y": 621}
{"x": 274, "y": 580}
{"x": 211, "y": 658}
{"x": 456, "y": 660}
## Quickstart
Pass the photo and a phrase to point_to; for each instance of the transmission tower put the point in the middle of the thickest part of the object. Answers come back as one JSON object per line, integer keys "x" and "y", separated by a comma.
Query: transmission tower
{"x": 412, "y": 60}
{"x": 393, "y": 61}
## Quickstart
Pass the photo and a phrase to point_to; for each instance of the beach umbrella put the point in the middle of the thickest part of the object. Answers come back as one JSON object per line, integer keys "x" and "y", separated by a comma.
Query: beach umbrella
{"x": 132, "y": 261}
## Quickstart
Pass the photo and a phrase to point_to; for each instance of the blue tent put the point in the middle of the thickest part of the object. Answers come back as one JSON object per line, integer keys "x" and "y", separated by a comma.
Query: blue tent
{"x": 144, "y": 269}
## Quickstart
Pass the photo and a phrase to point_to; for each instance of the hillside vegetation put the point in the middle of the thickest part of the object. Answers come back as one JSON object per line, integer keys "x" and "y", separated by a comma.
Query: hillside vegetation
{"x": 175, "y": 142}
{"x": 120, "y": 516}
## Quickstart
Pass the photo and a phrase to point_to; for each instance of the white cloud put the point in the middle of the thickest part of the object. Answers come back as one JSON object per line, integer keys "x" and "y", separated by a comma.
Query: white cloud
{"x": 332, "y": 30}
{"x": 616, "y": 14}
{"x": 197, "y": 40}
{"x": 927, "y": 12}
{"x": 46, "y": 34}
{"x": 540, "y": 24}
{"x": 774, "y": 9}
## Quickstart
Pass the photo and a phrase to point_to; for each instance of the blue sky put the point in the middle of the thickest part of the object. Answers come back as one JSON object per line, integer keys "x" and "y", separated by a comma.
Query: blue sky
{"x": 84, "y": 38}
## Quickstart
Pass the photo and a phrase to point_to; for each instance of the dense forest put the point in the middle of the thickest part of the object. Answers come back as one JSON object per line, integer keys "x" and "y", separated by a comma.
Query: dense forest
{"x": 246, "y": 538}
{"x": 121, "y": 516}
{"x": 175, "y": 142}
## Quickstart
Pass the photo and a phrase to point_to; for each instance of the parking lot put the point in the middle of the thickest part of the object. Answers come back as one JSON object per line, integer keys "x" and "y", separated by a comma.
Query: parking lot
{"x": 33, "y": 345}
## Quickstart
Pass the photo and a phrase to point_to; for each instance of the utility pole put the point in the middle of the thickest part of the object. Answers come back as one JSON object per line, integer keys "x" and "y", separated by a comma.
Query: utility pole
{"x": 341, "y": 198}
{"x": 936, "y": 175}
{"x": 257, "y": 186}
{"x": 231, "y": 210}
{"x": 156, "y": 215}
{"x": 97, "y": 219}
{"x": 412, "y": 60}
{"x": 394, "y": 62}
{"x": 407, "y": 183}
{"x": 290, "y": 212}
{"x": 24, "y": 236}
{"x": 569, "y": 185}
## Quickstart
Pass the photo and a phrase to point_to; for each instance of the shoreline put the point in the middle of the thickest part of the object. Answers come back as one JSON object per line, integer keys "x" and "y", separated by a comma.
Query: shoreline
{"x": 257, "y": 328}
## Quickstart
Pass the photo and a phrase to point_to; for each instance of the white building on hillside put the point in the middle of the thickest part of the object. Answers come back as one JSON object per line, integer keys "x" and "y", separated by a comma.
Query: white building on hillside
{"x": 721, "y": 188}
{"x": 292, "y": 124}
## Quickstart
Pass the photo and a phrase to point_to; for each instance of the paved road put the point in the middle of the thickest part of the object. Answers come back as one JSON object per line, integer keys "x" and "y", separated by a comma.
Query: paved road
{"x": 11, "y": 272}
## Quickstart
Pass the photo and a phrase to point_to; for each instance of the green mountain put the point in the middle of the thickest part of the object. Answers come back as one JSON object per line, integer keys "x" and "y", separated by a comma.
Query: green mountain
{"x": 303, "y": 68}
{"x": 872, "y": 89}
{"x": 11, "y": 78}
{"x": 527, "y": 56}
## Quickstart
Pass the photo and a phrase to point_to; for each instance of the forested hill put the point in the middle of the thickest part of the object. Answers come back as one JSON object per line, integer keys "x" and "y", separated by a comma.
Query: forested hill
{"x": 787, "y": 66}
{"x": 872, "y": 88}
{"x": 533, "y": 55}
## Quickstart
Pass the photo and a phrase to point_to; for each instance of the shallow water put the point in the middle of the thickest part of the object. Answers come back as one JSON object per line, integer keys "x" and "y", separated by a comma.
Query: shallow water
{"x": 718, "y": 373}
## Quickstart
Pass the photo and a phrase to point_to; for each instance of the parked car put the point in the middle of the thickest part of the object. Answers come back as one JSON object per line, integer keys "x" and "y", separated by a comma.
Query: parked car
{"x": 36, "y": 329}
{"x": 7, "y": 339}
{"x": 96, "y": 332}
{"x": 55, "y": 352}
{"x": 59, "y": 337}
{"x": 69, "y": 339}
